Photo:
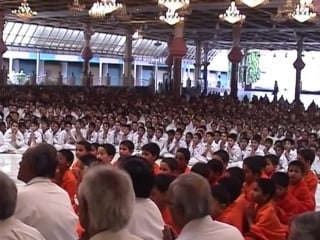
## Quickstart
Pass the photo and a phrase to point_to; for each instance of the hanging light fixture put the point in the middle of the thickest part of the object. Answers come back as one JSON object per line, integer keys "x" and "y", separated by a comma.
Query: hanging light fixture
{"x": 24, "y": 11}
{"x": 171, "y": 17}
{"x": 232, "y": 14}
{"x": 76, "y": 6}
{"x": 303, "y": 12}
{"x": 103, "y": 7}
{"x": 174, "y": 5}
{"x": 253, "y": 3}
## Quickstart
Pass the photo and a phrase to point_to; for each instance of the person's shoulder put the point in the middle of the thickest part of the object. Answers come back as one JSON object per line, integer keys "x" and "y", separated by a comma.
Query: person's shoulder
{"x": 227, "y": 230}
{"x": 133, "y": 237}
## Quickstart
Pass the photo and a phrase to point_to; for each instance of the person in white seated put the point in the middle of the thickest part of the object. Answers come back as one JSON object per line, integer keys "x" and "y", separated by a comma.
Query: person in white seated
{"x": 41, "y": 203}
{"x": 106, "y": 202}
{"x": 67, "y": 138}
{"x": 14, "y": 140}
{"x": 255, "y": 148}
{"x": 33, "y": 136}
{"x": 196, "y": 150}
{"x": 78, "y": 132}
{"x": 10, "y": 227}
{"x": 106, "y": 135}
{"x": 3, "y": 147}
{"x": 234, "y": 151}
{"x": 190, "y": 200}
{"x": 146, "y": 221}
{"x": 177, "y": 142}
{"x": 139, "y": 139}
{"x": 54, "y": 138}
{"x": 91, "y": 135}
{"x": 288, "y": 155}
{"x": 159, "y": 139}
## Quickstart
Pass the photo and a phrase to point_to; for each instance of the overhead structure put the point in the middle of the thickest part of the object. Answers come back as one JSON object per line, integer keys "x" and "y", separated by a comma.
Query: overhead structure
{"x": 253, "y": 3}
{"x": 171, "y": 17}
{"x": 174, "y": 5}
{"x": 103, "y": 7}
{"x": 24, "y": 11}
{"x": 232, "y": 14}
{"x": 303, "y": 12}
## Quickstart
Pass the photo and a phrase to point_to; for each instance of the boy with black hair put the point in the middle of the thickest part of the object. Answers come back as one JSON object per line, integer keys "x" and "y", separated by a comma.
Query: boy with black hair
{"x": 262, "y": 219}
{"x": 272, "y": 164}
{"x": 255, "y": 147}
{"x": 150, "y": 152}
{"x": 289, "y": 154}
{"x": 215, "y": 171}
{"x": 284, "y": 201}
{"x": 234, "y": 151}
{"x": 298, "y": 187}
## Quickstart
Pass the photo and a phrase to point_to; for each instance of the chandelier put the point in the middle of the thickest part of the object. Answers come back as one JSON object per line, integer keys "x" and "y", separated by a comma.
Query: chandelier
{"x": 24, "y": 10}
{"x": 174, "y": 5}
{"x": 171, "y": 17}
{"x": 232, "y": 14}
{"x": 252, "y": 3}
{"x": 138, "y": 34}
{"x": 303, "y": 12}
{"x": 76, "y": 6}
{"x": 103, "y": 7}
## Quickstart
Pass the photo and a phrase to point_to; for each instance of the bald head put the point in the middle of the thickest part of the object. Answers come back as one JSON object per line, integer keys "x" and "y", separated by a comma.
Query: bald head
{"x": 8, "y": 196}
{"x": 38, "y": 161}
{"x": 191, "y": 194}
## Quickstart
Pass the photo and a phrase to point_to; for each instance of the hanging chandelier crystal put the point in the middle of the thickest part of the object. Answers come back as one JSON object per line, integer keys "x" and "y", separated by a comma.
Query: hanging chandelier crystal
{"x": 232, "y": 14}
{"x": 303, "y": 12}
{"x": 171, "y": 17}
{"x": 174, "y": 5}
{"x": 76, "y": 6}
{"x": 24, "y": 11}
{"x": 252, "y": 3}
{"x": 103, "y": 7}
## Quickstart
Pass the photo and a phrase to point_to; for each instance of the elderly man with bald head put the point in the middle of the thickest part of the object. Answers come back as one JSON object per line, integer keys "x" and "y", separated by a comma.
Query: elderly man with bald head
{"x": 41, "y": 203}
{"x": 10, "y": 227}
{"x": 190, "y": 205}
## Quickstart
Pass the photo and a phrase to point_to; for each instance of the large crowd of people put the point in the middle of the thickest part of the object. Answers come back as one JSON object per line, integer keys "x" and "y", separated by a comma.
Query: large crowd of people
{"x": 121, "y": 164}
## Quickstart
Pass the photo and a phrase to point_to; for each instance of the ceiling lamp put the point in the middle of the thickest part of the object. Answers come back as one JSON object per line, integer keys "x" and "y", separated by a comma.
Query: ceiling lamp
{"x": 252, "y": 3}
{"x": 24, "y": 11}
{"x": 174, "y": 5}
{"x": 303, "y": 12}
{"x": 138, "y": 34}
{"x": 76, "y": 6}
{"x": 232, "y": 14}
{"x": 171, "y": 17}
{"x": 103, "y": 7}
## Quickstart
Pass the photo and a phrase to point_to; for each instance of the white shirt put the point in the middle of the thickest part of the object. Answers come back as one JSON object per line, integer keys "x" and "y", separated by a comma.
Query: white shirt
{"x": 316, "y": 165}
{"x": 207, "y": 229}
{"x": 14, "y": 229}
{"x": 46, "y": 207}
{"x": 37, "y": 137}
{"x": 1, "y": 138}
{"x": 284, "y": 160}
{"x": 19, "y": 138}
{"x": 235, "y": 154}
{"x": 146, "y": 221}
{"x": 120, "y": 235}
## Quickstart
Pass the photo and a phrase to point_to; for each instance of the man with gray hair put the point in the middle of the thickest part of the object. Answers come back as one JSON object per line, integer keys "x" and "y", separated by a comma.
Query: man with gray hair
{"x": 10, "y": 227}
{"x": 106, "y": 202}
{"x": 41, "y": 203}
{"x": 190, "y": 206}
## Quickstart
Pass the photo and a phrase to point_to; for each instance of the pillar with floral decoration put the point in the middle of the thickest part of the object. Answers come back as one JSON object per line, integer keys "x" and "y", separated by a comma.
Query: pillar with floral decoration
{"x": 235, "y": 57}
{"x": 178, "y": 50}
{"x": 197, "y": 64}
{"x": 298, "y": 65}
{"x": 86, "y": 55}
{"x": 3, "y": 49}
{"x": 205, "y": 68}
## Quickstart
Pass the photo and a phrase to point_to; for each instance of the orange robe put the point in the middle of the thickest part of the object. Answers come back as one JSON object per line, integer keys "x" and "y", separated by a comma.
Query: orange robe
{"x": 267, "y": 225}
{"x": 289, "y": 207}
{"x": 156, "y": 169}
{"x": 167, "y": 218}
{"x": 247, "y": 191}
{"x": 301, "y": 192}
{"x": 75, "y": 170}
{"x": 234, "y": 213}
{"x": 312, "y": 182}
{"x": 70, "y": 184}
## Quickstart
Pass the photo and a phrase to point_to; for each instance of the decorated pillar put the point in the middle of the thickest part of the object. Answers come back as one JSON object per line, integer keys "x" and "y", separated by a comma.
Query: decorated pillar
{"x": 298, "y": 65}
{"x": 169, "y": 63}
{"x": 205, "y": 68}
{"x": 235, "y": 57}
{"x": 3, "y": 49}
{"x": 178, "y": 50}
{"x": 86, "y": 55}
{"x": 197, "y": 64}
{"x": 128, "y": 59}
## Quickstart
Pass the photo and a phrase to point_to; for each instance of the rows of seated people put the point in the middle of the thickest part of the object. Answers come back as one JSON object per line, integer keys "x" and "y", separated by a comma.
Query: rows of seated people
{"x": 256, "y": 201}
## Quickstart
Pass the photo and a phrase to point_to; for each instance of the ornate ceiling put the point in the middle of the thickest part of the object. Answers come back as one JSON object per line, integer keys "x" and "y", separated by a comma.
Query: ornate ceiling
{"x": 203, "y": 23}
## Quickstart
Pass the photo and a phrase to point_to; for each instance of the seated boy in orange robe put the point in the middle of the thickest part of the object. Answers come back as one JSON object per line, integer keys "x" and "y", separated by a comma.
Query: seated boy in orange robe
{"x": 272, "y": 163}
{"x": 216, "y": 171}
{"x": 298, "y": 187}
{"x": 228, "y": 206}
{"x": 284, "y": 201}
{"x": 263, "y": 221}
{"x": 307, "y": 156}
{"x": 253, "y": 170}
{"x": 82, "y": 148}
{"x": 151, "y": 152}
{"x": 159, "y": 196}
